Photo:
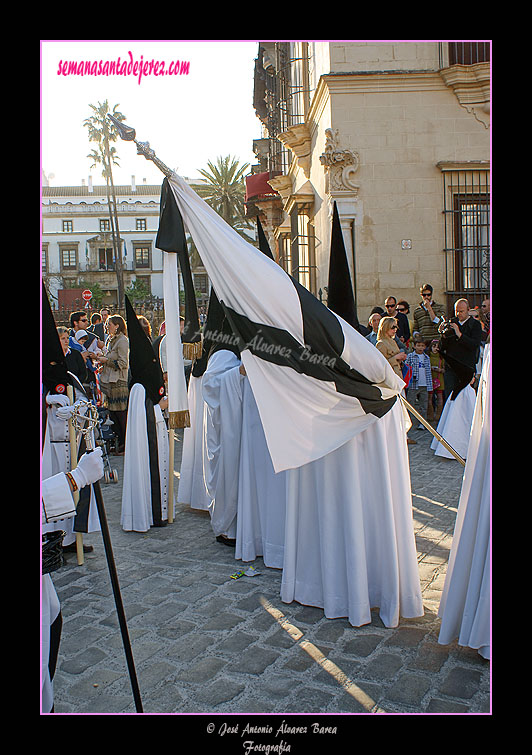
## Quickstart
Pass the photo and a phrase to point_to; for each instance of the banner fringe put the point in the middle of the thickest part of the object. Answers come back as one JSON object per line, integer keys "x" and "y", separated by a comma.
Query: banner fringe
{"x": 179, "y": 419}
{"x": 192, "y": 350}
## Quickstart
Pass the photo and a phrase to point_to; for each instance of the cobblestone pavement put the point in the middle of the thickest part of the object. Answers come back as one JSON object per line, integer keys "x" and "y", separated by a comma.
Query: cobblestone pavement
{"x": 205, "y": 643}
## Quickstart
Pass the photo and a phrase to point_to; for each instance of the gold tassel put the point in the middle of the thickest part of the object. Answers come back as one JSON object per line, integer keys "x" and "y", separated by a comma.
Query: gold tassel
{"x": 192, "y": 350}
{"x": 178, "y": 419}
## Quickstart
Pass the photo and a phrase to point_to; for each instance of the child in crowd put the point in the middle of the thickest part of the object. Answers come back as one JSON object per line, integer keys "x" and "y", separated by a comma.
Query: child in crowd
{"x": 437, "y": 368}
{"x": 420, "y": 385}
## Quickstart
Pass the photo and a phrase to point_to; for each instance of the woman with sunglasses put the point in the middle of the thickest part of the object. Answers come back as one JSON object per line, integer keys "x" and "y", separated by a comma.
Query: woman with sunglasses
{"x": 387, "y": 344}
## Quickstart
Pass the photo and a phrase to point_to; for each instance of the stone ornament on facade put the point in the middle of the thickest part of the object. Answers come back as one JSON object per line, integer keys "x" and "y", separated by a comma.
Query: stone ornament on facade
{"x": 340, "y": 165}
{"x": 471, "y": 85}
{"x": 297, "y": 140}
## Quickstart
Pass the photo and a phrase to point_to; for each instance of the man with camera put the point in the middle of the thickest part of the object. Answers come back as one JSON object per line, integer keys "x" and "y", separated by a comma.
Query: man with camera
{"x": 459, "y": 345}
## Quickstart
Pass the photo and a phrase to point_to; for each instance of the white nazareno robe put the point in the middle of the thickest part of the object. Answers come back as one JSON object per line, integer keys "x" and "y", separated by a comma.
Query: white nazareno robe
{"x": 465, "y": 603}
{"x": 349, "y": 542}
{"x": 261, "y": 492}
{"x": 222, "y": 393}
{"x": 137, "y": 511}
{"x": 192, "y": 488}
{"x": 455, "y": 424}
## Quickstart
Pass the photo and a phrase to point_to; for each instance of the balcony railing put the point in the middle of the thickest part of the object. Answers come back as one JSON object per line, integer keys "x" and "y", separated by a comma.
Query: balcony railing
{"x": 463, "y": 53}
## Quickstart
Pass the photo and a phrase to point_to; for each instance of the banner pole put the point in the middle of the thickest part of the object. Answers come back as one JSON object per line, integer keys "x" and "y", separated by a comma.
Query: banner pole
{"x": 436, "y": 434}
{"x": 171, "y": 449}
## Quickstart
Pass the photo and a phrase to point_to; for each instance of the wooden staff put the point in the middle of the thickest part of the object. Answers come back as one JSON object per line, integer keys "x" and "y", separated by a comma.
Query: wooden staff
{"x": 73, "y": 465}
{"x": 171, "y": 436}
{"x": 433, "y": 431}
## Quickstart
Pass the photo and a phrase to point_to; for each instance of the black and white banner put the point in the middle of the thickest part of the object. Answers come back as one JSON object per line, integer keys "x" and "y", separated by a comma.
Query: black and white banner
{"x": 317, "y": 381}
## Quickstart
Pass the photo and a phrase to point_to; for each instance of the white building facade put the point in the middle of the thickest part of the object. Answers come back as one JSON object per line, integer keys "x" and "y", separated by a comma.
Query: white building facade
{"x": 77, "y": 244}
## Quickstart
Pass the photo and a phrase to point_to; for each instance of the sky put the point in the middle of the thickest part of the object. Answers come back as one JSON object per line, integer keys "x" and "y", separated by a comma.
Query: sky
{"x": 188, "y": 118}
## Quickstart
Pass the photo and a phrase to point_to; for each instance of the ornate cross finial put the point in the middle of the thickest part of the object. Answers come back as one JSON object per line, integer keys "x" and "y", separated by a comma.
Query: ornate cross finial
{"x": 127, "y": 133}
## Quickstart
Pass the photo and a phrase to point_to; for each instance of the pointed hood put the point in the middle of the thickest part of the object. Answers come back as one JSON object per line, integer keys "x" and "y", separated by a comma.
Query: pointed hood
{"x": 340, "y": 297}
{"x": 263, "y": 241}
{"x": 171, "y": 238}
{"x": 144, "y": 364}
{"x": 55, "y": 376}
{"x": 215, "y": 325}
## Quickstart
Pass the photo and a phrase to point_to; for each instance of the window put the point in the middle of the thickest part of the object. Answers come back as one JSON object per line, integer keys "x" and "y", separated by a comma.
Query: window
{"x": 302, "y": 249}
{"x": 140, "y": 224}
{"x": 69, "y": 259}
{"x": 200, "y": 283}
{"x": 468, "y": 53}
{"x": 105, "y": 225}
{"x": 68, "y": 226}
{"x": 44, "y": 261}
{"x": 285, "y": 260}
{"x": 299, "y": 84}
{"x": 142, "y": 256}
{"x": 105, "y": 259}
{"x": 467, "y": 239}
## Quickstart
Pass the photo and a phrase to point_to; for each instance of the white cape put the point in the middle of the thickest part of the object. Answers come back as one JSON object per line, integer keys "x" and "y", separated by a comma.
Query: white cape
{"x": 192, "y": 488}
{"x": 261, "y": 492}
{"x": 222, "y": 393}
{"x": 349, "y": 543}
{"x": 465, "y": 603}
{"x": 137, "y": 511}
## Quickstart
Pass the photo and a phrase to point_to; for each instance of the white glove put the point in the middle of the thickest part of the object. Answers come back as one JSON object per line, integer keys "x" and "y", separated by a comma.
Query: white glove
{"x": 57, "y": 399}
{"x": 89, "y": 468}
{"x": 65, "y": 412}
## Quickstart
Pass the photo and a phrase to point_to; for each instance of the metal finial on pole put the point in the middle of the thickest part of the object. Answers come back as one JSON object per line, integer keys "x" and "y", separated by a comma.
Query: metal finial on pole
{"x": 128, "y": 133}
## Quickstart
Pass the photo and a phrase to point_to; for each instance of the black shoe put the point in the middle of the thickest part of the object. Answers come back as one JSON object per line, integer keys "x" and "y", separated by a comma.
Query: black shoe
{"x": 72, "y": 548}
{"x": 231, "y": 542}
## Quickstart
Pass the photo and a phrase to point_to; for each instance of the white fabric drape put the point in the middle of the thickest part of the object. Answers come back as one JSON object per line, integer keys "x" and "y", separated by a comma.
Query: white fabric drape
{"x": 303, "y": 418}
{"x": 177, "y": 387}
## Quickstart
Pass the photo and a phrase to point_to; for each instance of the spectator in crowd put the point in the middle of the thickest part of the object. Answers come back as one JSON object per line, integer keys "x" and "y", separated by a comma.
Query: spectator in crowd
{"x": 403, "y": 328}
{"x": 461, "y": 345}
{"x": 428, "y": 315}
{"x": 97, "y": 328}
{"x": 437, "y": 367}
{"x": 404, "y": 307}
{"x": 373, "y": 323}
{"x": 387, "y": 344}
{"x": 417, "y": 392}
{"x": 113, "y": 377}
{"x": 146, "y": 327}
{"x": 485, "y": 319}
{"x": 74, "y": 361}
{"x": 79, "y": 321}
{"x": 87, "y": 343}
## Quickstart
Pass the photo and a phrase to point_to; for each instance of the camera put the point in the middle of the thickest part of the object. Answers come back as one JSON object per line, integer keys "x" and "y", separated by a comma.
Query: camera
{"x": 445, "y": 329}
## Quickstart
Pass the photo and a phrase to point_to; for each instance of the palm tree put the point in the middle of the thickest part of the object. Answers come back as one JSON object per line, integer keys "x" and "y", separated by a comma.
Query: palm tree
{"x": 225, "y": 191}
{"x": 102, "y": 132}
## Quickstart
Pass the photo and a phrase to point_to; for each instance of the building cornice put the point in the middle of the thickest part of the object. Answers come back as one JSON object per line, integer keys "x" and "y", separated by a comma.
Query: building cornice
{"x": 382, "y": 81}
